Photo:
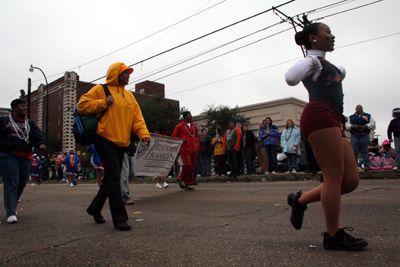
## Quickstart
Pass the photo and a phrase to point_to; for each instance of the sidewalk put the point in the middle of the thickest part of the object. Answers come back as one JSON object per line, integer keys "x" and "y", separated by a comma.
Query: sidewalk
{"x": 300, "y": 176}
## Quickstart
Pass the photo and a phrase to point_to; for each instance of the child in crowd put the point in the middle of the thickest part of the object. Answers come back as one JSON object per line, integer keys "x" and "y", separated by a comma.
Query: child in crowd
{"x": 36, "y": 165}
{"x": 71, "y": 162}
{"x": 388, "y": 155}
{"x": 374, "y": 147}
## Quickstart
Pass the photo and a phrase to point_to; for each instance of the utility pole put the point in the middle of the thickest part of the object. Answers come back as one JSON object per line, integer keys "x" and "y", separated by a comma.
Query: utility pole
{"x": 300, "y": 23}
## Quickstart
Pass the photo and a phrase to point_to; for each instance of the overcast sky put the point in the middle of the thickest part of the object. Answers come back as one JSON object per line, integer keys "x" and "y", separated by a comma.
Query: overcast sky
{"x": 60, "y": 36}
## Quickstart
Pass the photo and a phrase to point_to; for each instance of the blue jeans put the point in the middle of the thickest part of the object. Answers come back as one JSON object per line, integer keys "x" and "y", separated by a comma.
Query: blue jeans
{"x": 292, "y": 161}
{"x": 272, "y": 160}
{"x": 128, "y": 169}
{"x": 15, "y": 172}
{"x": 205, "y": 164}
{"x": 397, "y": 147}
{"x": 248, "y": 153}
{"x": 360, "y": 143}
{"x": 85, "y": 173}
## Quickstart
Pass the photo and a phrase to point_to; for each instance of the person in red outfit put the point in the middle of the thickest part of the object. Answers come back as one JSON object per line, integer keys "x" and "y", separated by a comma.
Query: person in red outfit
{"x": 189, "y": 150}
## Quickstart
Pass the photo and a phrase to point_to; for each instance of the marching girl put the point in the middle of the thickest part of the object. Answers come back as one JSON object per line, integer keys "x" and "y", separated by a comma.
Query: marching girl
{"x": 320, "y": 123}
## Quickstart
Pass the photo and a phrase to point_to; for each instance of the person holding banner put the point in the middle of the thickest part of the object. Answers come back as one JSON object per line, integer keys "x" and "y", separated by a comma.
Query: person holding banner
{"x": 122, "y": 117}
{"x": 188, "y": 152}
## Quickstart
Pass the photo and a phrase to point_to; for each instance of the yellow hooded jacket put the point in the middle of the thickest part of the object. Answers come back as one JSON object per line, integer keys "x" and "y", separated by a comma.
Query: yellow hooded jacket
{"x": 122, "y": 117}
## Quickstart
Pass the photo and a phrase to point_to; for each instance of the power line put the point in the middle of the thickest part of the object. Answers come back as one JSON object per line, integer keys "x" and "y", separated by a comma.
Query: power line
{"x": 282, "y": 21}
{"x": 198, "y": 38}
{"x": 223, "y": 54}
{"x": 344, "y": 11}
{"x": 144, "y": 38}
{"x": 175, "y": 25}
{"x": 280, "y": 63}
{"x": 222, "y": 29}
{"x": 200, "y": 54}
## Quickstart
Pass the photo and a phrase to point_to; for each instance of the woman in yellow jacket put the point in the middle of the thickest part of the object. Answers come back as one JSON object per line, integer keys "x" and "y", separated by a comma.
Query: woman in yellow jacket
{"x": 219, "y": 153}
{"x": 122, "y": 117}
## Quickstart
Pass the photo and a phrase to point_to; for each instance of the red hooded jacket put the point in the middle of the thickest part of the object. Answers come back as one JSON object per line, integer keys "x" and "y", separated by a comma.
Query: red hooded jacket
{"x": 190, "y": 134}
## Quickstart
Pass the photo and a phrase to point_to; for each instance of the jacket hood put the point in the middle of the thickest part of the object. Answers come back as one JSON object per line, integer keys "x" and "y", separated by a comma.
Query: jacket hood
{"x": 112, "y": 74}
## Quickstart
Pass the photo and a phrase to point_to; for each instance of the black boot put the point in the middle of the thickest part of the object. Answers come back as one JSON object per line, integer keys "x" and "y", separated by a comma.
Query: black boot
{"x": 297, "y": 210}
{"x": 342, "y": 240}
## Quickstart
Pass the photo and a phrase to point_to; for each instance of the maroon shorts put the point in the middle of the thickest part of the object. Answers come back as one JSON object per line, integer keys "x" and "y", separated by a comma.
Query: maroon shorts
{"x": 319, "y": 115}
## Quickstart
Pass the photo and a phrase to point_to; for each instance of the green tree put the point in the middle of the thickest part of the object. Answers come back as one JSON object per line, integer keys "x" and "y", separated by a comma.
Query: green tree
{"x": 221, "y": 116}
{"x": 160, "y": 114}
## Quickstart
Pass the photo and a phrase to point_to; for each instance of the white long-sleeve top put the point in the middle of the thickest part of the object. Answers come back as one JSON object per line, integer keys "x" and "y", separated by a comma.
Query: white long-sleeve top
{"x": 310, "y": 65}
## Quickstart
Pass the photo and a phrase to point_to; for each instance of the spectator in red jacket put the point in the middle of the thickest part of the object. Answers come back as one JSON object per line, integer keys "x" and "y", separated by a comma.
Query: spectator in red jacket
{"x": 189, "y": 150}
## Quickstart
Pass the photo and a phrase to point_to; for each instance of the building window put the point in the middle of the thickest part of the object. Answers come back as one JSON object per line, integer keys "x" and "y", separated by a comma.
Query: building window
{"x": 34, "y": 117}
{"x": 141, "y": 91}
{"x": 59, "y": 107}
{"x": 59, "y": 92}
{"x": 58, "y": 121}
{"x": 59, "y": 135}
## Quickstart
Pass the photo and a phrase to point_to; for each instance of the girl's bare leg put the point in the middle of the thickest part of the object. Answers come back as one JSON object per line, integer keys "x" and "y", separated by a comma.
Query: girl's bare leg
{"x": 333, "y": 154}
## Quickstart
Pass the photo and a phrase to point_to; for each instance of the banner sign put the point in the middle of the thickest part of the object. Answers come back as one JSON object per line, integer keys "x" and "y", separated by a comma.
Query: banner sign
{"x": 157, "y": 158}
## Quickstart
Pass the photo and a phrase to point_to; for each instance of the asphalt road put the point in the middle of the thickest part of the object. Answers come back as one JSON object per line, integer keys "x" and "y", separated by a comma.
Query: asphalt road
{"x": 219, "y": 224}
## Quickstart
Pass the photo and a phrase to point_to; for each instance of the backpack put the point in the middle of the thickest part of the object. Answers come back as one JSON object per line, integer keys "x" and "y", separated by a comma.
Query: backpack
{"x": 85, "y": 126}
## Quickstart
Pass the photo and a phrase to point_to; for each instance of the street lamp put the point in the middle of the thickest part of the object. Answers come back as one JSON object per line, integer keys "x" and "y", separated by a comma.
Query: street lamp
{"x": 31, "y": 68}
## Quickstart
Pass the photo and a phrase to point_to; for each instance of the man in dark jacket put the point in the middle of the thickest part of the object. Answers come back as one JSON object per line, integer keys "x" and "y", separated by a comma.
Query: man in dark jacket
{"x": 205, "y": 152}
{"x": 248, "y": 149}
{"x": 360, "y": 125}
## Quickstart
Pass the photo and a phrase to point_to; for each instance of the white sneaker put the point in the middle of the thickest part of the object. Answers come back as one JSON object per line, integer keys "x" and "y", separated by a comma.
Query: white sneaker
{"x": 12, "y": 219}
{"x": 67, "y": 182}
{"x": 395, "y": 168}
{"x": 294, "y": 171}
{"x": 64, "y": 180}
{"x": 287, "y": 172}
{"x": 158, "y": 186}
{"x": 198, "y": 175}
{"x": 165, "y": 185}
{"x": 169, "y": 176}
{"x": 155, "y": 177}
{"x": 71, "y": 185}
{"x": 33, "y": 184}
{"x": 267, "y": 173}
{"x": 274, "y": 172}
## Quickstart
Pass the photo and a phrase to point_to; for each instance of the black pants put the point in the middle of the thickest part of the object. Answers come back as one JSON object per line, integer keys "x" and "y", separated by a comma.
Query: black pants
{"x": 312, "y": 162}
{"x": 112, "y": 157}
{"x": 233, "y": 161}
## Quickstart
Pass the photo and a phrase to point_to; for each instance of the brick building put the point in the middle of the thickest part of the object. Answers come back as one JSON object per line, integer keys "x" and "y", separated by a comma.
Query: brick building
{"x": 64, "y": 93}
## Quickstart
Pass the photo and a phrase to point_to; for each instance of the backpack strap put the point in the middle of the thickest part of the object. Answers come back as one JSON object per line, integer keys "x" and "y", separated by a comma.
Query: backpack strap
{"x": 107, "y": 92}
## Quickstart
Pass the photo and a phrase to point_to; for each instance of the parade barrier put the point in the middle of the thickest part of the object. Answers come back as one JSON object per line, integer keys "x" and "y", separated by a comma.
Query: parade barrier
{"x": 157, "y": 158}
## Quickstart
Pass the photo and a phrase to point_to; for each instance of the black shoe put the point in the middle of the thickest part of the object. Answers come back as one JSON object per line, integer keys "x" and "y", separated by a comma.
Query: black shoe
{"x": 195, "y": 183}
{"x": 342, "y": 240}
{"x": 297, "y": 210}
{"x": 181, "y": 184}
{"x": 122, "y": 226}
{"x": 309, "y": 171}
{"x": 97, "y": 218}
{"x": 190, "y": 188}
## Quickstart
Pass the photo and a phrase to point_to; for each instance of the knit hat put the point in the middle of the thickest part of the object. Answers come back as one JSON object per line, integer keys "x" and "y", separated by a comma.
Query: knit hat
{"x": 395, "y": 111}
{"x": 16, "y": 102}
{"x": 185, "y": 113}
{"x": 123, "y": 67}
{"x": 386, "y": 142}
